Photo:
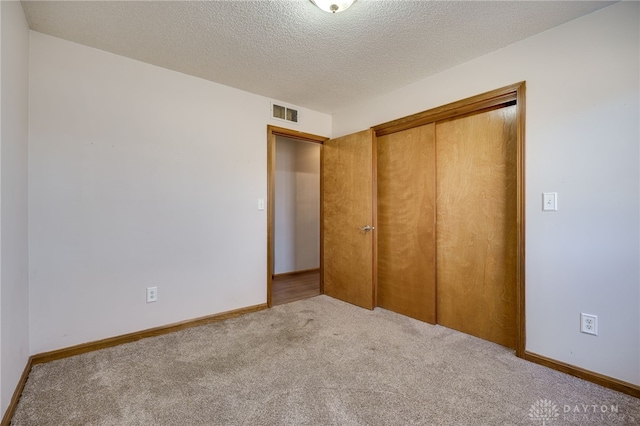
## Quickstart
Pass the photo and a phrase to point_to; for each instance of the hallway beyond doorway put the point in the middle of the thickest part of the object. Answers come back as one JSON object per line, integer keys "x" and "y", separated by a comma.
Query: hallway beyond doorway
{"x": 291, "y": 287}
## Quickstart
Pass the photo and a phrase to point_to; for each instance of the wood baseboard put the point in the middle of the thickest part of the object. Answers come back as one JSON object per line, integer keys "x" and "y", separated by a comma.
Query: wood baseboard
{"x": 599, "y": 379}
{"x": 608, "y": 382}
{"x": 132, "y": 337}
{"x": 115, "y": 341}
{"x": 13, "y": 404}
{"x": 292, "y": 273}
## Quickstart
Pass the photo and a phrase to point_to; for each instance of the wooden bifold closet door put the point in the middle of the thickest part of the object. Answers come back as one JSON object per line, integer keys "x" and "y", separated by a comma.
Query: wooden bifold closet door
{"x": 476, "y": 224}
{"x": 447, "y": 231}
{"x": 406, "y": 223}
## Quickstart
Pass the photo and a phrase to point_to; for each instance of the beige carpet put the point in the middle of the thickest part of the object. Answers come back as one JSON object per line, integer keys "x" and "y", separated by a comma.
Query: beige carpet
{"x": 318, "y": 361}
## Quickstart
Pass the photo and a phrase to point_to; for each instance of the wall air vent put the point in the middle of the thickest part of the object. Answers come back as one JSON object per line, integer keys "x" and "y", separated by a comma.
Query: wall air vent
{"x": 285, "y": 113}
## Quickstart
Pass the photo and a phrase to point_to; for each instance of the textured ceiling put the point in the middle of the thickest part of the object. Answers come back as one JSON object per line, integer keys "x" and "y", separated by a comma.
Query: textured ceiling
{"x": 291, "y": 51}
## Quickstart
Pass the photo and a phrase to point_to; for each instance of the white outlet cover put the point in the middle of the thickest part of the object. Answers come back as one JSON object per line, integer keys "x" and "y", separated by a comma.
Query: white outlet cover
{"x": 152, "y": 294}
{"x": 589, "y": 324}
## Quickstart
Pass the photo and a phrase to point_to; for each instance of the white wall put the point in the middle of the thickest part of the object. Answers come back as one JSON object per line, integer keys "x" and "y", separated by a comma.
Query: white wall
{"x": 297, "y": 206}
{"x": 582, "y": 140}
{"x": 140, "y": 176}
{"x": 14, "y": 305}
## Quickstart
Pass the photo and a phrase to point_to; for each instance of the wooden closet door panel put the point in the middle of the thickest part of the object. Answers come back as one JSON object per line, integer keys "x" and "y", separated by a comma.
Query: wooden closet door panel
{"x": 406, "y": 222}
{"x": 476, "y": 225}
{"x": 347, "y": 185}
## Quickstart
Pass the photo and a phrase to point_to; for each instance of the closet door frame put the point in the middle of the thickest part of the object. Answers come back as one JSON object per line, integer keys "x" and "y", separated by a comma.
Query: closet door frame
{"x": 495, "y": 98}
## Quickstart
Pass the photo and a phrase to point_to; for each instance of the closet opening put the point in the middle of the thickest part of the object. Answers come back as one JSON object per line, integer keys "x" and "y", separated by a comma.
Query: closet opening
{"x": 450, "y": 216}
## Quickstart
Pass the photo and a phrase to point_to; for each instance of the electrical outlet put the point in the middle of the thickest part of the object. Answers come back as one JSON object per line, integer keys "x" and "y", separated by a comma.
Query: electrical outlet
{"x": 152, "y": 294}
{"x": 589, "y": 324}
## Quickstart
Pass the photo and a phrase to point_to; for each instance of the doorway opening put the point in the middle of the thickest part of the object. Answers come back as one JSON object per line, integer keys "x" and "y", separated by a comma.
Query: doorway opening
{"x": 294, "y": 213}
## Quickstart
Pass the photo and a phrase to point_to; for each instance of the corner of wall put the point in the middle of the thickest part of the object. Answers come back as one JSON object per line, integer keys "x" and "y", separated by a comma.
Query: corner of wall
{"x": 14, "y": 134}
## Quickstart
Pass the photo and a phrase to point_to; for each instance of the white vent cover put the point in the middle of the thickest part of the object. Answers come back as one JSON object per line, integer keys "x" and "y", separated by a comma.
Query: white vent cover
{"x": 281, "y": 112}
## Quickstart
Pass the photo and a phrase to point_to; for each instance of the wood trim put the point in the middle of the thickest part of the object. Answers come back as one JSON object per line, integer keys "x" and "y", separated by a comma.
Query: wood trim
{"x": 272, "y": 132}
{"x": 590, "y": 376}
{"x": 602, "y": 380}
{"x": 374, "y": 219}
{"x": 294, "y": 134}
{"x": 485, "y": 100}
{"x": 322, "y": 219}
{"x": 271, "y": 190}
{"x": 520, "y": 220}
{"x": 435, "y": 222}
{"x": 13, "y": 404}
{"x": 114, "y": 341}
{"x": 138, "y": 335}
{"x": 293, "y": 273}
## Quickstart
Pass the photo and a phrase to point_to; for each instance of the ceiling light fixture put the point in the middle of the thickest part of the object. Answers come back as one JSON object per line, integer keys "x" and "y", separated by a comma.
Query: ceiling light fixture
{"x": 333, "y": 6}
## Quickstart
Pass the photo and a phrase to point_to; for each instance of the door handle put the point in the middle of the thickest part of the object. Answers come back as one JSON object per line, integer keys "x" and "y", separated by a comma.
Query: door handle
{"x": 367, "y": 228}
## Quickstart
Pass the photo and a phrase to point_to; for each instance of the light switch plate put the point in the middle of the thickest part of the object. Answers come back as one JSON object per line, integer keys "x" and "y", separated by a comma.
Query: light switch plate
{"x": 260, "y": 203}
{"x": 549, "y": 201}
